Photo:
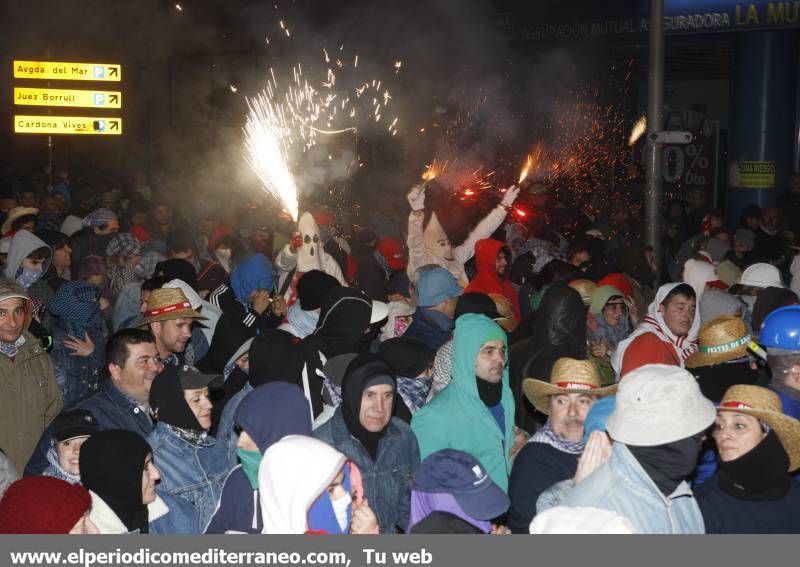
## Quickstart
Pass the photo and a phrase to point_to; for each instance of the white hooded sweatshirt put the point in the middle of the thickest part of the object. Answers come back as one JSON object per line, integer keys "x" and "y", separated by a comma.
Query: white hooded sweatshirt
{"x": 294, "y": 472}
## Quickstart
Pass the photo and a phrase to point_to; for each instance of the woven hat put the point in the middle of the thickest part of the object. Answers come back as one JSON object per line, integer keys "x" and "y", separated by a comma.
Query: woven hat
{"x": 720, "y": 340}
{"x": 165, "y": 304}
{"x": 569, "y": 376}
{"x": 507, "y": 320}
{"x": 584, "y": 287}
{"x": 765, "y": 405}
{"x": 16, "y": 213}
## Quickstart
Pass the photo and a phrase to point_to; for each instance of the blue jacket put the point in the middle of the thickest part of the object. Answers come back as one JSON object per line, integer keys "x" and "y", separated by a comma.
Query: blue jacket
{"x": 621, "y": 485}
{"x": 239, "y": 508}
{"x": 429, "y": 327}
{"x": 387, "y": 481}
{"x": 192, "y": 472}
{"x": 181, "y": 518}
{"x": 226, "y": 436}
{"x": 457, "y": 418}
{"x": 113, "y": 410}
{"x": 77, "y": 376}
{"x": 538, "y": 466}
{"x": 725, "y": 514}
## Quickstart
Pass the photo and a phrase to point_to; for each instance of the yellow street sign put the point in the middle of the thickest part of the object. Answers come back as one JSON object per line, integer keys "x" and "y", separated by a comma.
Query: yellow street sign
{"x": 67, "y": 97}
{"x": 67, "y": 71}
{"x": 67, "y": 125}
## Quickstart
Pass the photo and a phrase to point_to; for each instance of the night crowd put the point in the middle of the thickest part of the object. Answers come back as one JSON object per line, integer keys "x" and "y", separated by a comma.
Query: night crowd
{"x": 170, "y": 368}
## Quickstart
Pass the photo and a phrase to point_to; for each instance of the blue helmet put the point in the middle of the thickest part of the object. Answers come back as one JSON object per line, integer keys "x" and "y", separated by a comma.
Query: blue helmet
{"x": 781, "y": 329}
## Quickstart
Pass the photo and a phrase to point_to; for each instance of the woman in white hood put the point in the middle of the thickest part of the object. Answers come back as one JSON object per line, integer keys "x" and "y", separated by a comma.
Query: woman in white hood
{"x": 307, "y": 486}
{"x": 303, "y": 254}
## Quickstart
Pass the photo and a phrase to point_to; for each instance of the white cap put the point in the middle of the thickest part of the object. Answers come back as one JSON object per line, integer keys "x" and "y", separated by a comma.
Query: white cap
{"x": 761, "y": 275}
{"x": 379, "y": 312}
{"x": 580, "y": 520}
{"x": 190, "y": 294}
{"x": 658, "y": 404}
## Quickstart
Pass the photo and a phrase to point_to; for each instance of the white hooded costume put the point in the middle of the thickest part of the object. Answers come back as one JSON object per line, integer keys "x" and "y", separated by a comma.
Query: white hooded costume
{"x": 294, "y": 472}
{"x": 310, "y": 256}
{"x": 433, "y": 246}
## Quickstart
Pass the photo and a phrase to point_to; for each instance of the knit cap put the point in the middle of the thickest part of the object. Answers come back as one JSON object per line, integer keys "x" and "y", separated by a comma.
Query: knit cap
{"x": 42, "y": 505}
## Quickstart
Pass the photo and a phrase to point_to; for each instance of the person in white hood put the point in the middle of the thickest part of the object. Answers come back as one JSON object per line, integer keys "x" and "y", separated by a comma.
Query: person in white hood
{"x": 307, "y": 486}
{"x": 433, "y": 246}
{"x": 303, "y": 254}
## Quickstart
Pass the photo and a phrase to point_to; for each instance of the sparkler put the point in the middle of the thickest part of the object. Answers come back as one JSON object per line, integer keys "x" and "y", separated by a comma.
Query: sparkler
{"x": 266, "y": 147}
{"x": 434, "y": 170}
{"x": 639, "y": 128}
{"x": 534, "y": 162}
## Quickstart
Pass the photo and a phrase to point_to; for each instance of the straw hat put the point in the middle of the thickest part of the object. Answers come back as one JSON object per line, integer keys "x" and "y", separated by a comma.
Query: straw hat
{"x": 585, "y": 288}
{"x": 16, "y": 213}
{"x": 166, "y": 304}
{"x": 720, "y": 340}
{"x": 569, "y": 376}
{"x": 507, "y": 320}
{"x": 765, "y": 405}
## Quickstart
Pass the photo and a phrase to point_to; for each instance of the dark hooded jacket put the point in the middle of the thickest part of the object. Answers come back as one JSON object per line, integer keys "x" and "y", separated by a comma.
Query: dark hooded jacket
{"x": 268, "y": 414}
{"x": 487, "y": 281}
{"x": 560, "y": 330}
{"x": 343, "y": 320}
{"x": 370, "y": 277}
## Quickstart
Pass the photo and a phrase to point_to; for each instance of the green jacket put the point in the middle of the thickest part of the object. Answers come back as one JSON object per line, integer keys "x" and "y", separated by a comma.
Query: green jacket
{"x": 29, "y": 400}
{"x": 457, "y": 418}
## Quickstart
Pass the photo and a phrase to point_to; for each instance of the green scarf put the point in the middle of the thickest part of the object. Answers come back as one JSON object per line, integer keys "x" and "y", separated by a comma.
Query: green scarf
{"x": 250, "y": 461}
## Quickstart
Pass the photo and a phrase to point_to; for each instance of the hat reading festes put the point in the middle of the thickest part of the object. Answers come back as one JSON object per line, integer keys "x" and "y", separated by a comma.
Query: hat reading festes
{"x": 569, "y": 376}
{"x": 765, "y": 405}
{"x": 454, "y": 472}
{"x": 165, "y": 304}
{"x": 720, "y": 340}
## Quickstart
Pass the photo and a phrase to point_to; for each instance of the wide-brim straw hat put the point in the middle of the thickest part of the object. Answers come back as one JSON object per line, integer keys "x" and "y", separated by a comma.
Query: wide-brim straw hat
{"x": 720, "y": 340}
{"x": 569, "y": 376}
{"x": 765, "y": 405}
{"x": 166, "y": 304}
{"x": 16, "y": 213}
{"x": 585, "y": 288}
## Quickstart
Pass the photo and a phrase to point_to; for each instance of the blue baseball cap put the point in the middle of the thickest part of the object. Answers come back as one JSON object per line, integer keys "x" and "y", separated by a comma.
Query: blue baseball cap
{"x": 460, "y": 474}
{"x": 435, "y": 286}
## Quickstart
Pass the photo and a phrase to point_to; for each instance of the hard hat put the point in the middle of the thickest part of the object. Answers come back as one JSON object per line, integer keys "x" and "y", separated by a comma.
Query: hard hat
{"x": 781, "y": 329}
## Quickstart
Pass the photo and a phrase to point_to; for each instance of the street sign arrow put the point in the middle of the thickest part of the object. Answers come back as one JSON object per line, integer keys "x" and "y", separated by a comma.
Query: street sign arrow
{"x": 114, "y": 124}
{"x": 113, "y": 71}
{"x": 113, "y": 98}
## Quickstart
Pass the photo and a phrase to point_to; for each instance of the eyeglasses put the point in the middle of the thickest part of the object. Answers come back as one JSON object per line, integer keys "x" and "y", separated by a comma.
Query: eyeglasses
{"x": 616, "y": 306}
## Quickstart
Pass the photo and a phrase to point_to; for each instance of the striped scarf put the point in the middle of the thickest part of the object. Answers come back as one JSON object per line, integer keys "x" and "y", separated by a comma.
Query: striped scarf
{"x": 546, "y": 435}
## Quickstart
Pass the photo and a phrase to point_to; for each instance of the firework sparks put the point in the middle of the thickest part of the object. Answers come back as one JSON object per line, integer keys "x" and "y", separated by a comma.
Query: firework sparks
{"x": 179, "y": 8}
{"x": 397, "y": 66}
{"x": 639, "y": 128}
{"x": 525, "y": 169}
{"x": 434, "y": 170}
{"x": 266, "y": 145}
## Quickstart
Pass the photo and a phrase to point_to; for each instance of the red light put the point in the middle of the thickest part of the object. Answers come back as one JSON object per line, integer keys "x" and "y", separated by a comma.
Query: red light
{"x": 521, "y": 213}
{"x": 469, "y": 192}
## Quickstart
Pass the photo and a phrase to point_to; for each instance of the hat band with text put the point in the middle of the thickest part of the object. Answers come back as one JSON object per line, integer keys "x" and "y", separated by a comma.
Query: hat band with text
{"x": 574, "y": 385}
{"x": 168, "y": 309}
{"x": 734, "y": 404}
{"x": 727, "y": 347}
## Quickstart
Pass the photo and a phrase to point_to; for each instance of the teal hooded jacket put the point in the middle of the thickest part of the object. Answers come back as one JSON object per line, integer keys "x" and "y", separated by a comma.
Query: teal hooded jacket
{"x": 457, "y": 418}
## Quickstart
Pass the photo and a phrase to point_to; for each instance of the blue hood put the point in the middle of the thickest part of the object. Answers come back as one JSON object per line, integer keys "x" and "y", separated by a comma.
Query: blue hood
{"x": 253, "y": 273}
{"x": 272, "y": 411}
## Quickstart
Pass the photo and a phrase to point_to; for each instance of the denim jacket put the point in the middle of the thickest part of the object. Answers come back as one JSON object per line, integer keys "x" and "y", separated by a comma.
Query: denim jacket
{"x": 193, "y": 472}
{"x": 113, "y": 410}
{"x": 387, "y": 482}
{"x": 77, "y": 376}
{"x": 621, "y": 485}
